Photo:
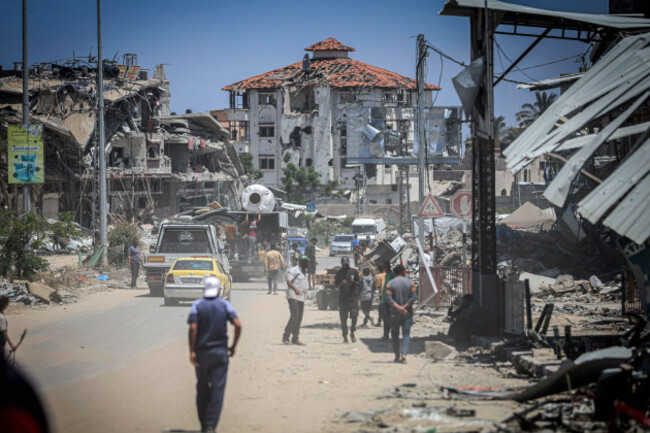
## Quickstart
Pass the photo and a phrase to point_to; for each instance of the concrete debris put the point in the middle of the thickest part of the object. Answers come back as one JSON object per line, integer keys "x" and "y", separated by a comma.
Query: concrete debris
{"x": 41, "y": 291}
{"x": 439, "y": 351}
{"x": 583, "y": 371}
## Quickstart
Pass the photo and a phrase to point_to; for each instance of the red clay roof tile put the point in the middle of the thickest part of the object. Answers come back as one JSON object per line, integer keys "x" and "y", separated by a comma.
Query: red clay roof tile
{"x": 341, "y": 73}
{"x": 329, "y": 44}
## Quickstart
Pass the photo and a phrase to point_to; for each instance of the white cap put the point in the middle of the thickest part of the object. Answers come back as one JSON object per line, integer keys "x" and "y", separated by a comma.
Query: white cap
{"x": 211, "y": 287}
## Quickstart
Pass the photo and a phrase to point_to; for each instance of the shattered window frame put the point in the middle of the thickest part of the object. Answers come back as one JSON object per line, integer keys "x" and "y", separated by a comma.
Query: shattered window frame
{"x": 239, "y": 100}
{"x": 267, "y": 130}
{"x": 266, "y": 98}
{"x": 236, "y": 127}
{"x": 266, "y": 162}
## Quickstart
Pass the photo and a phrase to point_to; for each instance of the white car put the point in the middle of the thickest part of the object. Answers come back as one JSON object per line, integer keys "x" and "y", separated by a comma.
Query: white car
{"x": 341, "y": 244}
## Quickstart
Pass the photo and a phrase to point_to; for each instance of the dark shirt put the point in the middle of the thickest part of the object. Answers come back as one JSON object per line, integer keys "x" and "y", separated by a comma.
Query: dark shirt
{"x": 348, "y": 292}
{"x": 310, "y": 251}
{"x": 211, "y": 315}
{"x": 134, "y": 253}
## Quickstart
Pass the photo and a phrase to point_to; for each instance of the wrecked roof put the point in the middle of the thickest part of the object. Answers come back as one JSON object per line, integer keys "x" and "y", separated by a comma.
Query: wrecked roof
{"x": 619, "y": 80}
{"x": 337, "y": 72}
{"x": 514, "y": 14}
{"x": 329, "y": 44}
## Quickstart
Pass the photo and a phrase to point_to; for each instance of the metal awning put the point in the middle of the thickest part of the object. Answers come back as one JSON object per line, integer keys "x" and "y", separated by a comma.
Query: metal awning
{"x": 620, "y": 79}
{"x": 551, "y": 83}
{"x": 526, "y": 16}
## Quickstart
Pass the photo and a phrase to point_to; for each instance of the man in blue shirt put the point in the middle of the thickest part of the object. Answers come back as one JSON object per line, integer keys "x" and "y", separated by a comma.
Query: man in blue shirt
{"x": 209, "y": 351}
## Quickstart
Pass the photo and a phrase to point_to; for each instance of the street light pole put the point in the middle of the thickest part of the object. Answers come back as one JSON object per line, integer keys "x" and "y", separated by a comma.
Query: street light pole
{"x": 422, "y": 148}
{"x": 103, "y": 236}
{"x": 26, "y": 195}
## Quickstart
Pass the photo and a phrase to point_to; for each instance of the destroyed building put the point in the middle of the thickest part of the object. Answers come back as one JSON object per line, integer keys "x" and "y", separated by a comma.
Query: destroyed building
{"x": 300, "y": 109}
{"x": 157, "y": 163}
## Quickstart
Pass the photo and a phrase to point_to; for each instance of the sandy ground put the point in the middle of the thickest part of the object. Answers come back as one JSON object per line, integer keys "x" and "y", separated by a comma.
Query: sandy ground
{"x": 117, "y": 361}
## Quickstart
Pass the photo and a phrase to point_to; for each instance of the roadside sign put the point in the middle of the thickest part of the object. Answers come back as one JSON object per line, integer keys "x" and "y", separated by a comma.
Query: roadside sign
{"x": 25, "y": 153}
{"x": 430, "y": 208}
{"x": 461, "y": 203}
{"x": 311, "y": 207}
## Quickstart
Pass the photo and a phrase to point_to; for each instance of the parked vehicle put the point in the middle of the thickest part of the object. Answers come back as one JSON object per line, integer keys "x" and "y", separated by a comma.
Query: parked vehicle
{"x": 184, "y": 281}
{"x": 302, "y": 243}
{"x": 180, "y": 240}
{"x": 270, "y": 229}
{"x": 373, "y": 227}
{"x": 341, "y": 244}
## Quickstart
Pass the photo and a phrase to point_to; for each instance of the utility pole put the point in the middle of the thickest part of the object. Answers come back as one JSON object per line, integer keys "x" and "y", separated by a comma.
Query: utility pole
{"x": 422, "y": 147}
{"x": 27, "y": 205}
{"x": 103, "y": 235}
{"x": 484, "y": 278}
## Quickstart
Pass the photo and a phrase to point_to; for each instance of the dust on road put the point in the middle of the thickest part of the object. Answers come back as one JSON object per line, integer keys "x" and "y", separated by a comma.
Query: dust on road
{"x": 272, "y": 387}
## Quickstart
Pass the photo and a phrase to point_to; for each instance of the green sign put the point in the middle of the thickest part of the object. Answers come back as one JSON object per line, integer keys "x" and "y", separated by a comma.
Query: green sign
{"x": 25, "y": 154}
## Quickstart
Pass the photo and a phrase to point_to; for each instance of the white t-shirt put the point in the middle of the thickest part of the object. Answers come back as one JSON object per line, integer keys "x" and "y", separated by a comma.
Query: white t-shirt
{"x": 426, "y": 259}
{"x": 298, "y": 279}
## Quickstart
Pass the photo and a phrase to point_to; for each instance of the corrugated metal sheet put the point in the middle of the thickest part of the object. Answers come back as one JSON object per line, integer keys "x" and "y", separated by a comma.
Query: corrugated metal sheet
{"x": 625, "y": 177}
{"x": 464, "y": 7}
{"x": 620, "y": 79}
{"x": 550, "y": 83}
{"x": 631, "y": 217}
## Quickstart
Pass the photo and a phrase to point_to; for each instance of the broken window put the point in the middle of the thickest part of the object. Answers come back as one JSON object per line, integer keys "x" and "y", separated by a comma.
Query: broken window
{"x": 303, "y": 101}
{"x": 267, "y": 130}
{"x": 347, "y": 97}
{"x": 403, "y": 97}
{"x": 267, "y": 99}
{"x": 239, "y": 99}
{"x": 343, "y": 137}
{"x": 267, "y": 162}
{"x": 239, "y": 130}
{"x": 295, "y": 138}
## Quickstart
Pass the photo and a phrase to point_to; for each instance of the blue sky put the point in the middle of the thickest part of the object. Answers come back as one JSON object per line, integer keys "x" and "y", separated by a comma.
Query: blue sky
{"x": 208, "y": 44}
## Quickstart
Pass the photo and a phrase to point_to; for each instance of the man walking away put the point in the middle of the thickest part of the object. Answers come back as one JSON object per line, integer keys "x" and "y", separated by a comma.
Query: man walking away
{"x": 384, "y": 307}
{"x": 310, "y": 252}
{"x": 296, "y": 288}
{"x": 367, "y": 293}
{"x": 347, "y": 281}
{"x": 400, "y": 295}
{"x": 209, "y": 351}
{"x": 135, "y": 258}
{"x": 273, "y": 264}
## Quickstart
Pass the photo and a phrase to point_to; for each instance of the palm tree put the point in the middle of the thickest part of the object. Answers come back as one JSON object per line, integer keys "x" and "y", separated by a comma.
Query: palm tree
{"x": 530, "y": 112}
{"x": 499, "y": 126}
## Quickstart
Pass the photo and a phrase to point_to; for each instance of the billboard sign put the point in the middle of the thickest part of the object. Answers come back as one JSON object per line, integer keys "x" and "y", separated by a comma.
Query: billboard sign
{"x": 386, "y": 135}
{"x": 25, "y": 154}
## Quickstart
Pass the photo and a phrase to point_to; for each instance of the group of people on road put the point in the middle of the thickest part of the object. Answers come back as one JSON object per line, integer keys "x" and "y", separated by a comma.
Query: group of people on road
{"x": 397, "y": 296}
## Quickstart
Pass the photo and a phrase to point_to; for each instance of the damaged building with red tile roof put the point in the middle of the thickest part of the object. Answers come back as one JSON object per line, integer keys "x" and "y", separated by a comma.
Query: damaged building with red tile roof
{"x": 301, "y": 109}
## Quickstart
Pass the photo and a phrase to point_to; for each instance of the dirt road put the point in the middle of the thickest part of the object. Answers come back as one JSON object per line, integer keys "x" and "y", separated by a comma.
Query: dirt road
{"x": 118, "y": 362}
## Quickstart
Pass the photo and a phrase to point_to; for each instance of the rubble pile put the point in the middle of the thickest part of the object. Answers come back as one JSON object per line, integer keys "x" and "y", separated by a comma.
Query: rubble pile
{"x": 550, "y": 253}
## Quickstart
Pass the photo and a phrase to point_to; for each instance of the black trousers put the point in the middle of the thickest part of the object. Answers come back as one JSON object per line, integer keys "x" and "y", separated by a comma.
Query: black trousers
{"x": 384, "y": 312}
{"x": 135, "y": 269}
{"x": 296, "y": 309}
{"x": 365, "y": 308}
{"x": 350, "y": 309}
{"x": 210, "y": 387}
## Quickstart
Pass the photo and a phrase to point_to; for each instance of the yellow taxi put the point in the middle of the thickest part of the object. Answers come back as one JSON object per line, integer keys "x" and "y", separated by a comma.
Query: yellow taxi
{"x": 184, "y": 281}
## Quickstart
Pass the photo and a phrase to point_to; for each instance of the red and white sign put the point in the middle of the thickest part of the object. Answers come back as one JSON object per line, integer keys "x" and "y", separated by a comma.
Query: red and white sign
{"x": 430, "y": 208}
{"x": 461, "y": 203}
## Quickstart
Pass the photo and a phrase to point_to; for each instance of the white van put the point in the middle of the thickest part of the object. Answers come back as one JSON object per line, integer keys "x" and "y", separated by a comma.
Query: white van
{"x": 373, "y": 227}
